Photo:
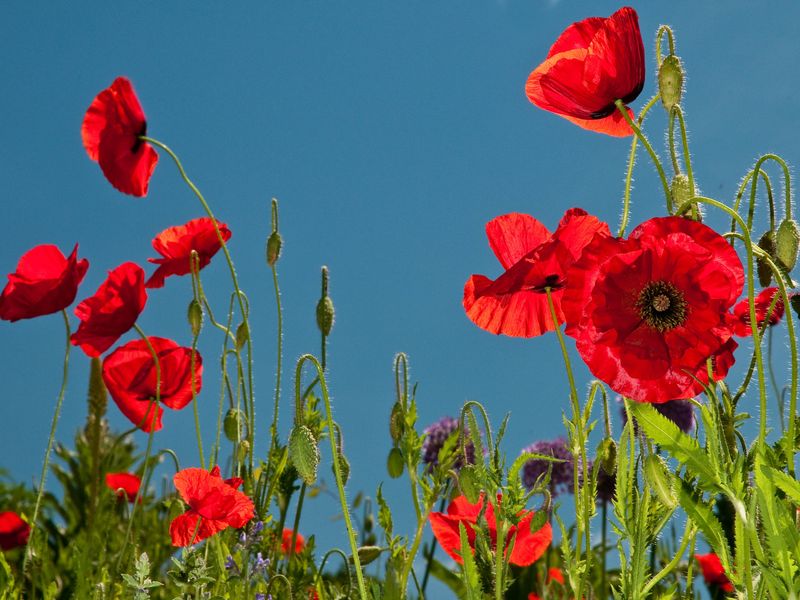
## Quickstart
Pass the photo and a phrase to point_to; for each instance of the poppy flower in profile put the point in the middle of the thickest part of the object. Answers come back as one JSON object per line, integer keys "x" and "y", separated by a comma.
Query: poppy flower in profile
{"x": 592, "y": 64}
{"x": 111, "y": 130}
{"x": 175, "y": 245}
{"x": 124, "y": 485}
{"x": 112, "y": 311}
{"x": 45, "y": 282}
{"x": 649, "y": 311}
{"x": 14, "y": 532}
{"x": 713, "y": 573}
{"x": 741, "y": 312}
{"x": 130, "y": 375}
{"x": 515, "y": 304}
{"x": 213, "y": 506}
{"x": 528, "y": 545}
{"x": 286, "y": 541}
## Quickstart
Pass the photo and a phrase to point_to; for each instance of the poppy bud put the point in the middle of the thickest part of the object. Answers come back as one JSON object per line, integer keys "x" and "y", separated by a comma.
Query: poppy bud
{"x": 786, "y": 242}
{"x": 242, "y": 335}
{"x": 660, "y": 480}
{"x": 233, "y": 420}
{"x": 681, "y": 192}
{"x": 367, "y": 554}
{"x": 468, "y": 483}
{"x": 607, "y": 455}
{"x": 396, "y": 422}
{"x": 394, "y": 463}
{"x": 274, "y": 244}
{"x": 304, "y": 453}
{"x": 767, "y": 244}
{"x": 325, "y": 310}
{"x": 670, "y": 81}
{"x": 195, "y": 316}
{"x": 344, "y": 467}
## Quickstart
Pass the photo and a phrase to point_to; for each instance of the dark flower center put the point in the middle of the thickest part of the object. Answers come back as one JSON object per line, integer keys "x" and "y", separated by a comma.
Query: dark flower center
{"x": 138, "y": 143}
{"x": 553, "y": 281}
{"x": 662, "y": 306}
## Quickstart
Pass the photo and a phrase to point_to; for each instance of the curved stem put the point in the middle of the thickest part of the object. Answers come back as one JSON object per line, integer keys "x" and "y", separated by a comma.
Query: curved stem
{"x": 656, "y": 161}
{"x": 688, "y": 534}
{"x": 336, "y": 468}
{"x": 626, "y": 201}
{"x": 687, "y": 157}
{"x": 279, "y": 344}
{"x": 234, "y": 279}
{"x": 671, "y": 39}
{"x": 50, "y": 441}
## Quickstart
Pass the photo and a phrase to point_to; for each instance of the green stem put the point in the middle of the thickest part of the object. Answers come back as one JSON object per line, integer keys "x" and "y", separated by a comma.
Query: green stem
{"x": 499, "y": 555}
{"x": 656, "y": 161}
{"x": 688, "y": 534}
{"x": 279, "y": 344}
{"x": 429, "y": 557}
{"x": 234, "y": 279}
{"x": 671, "y": 39}
{"x": 50, "y": 441}
{"x": 626, "y": 201}
{"x": 337, "y": 470}
{"x": 296, "y": 525}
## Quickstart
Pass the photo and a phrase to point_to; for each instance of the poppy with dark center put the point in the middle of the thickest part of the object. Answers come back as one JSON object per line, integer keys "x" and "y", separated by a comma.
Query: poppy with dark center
{"x": 111, "y": 311}
{"x": 176, "y": 244}
{"x": 713, "y": 573}
{"x": 124, "y": 485}
{"x": 515, "y": 304}
{"x": 130, "y": 375}
{"x": 214, "y": 505}
{"x": 111, "y": 134}
{"x": 45, "y": 282}
{"x": 286, "y": 541}
{"x": 528, "y": 545}
{"x": 741, "y": 312}
{"x": 14, "y": 532}
{"x": 647, "y": 313}
{"x": 592, "y": 64}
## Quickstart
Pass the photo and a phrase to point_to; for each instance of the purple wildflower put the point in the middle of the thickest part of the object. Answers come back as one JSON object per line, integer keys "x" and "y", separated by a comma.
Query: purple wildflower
{"x": 563, "y": 473}
{"x": 435, "y": 437}
{"x": 230, "y": 565}
{"x": 680, "y": 412}
{"x": 260, "y": 564}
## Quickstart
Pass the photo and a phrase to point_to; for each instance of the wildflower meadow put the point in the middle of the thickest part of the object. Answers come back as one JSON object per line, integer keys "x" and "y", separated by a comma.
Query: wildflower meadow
{"x": 662, "y": 406}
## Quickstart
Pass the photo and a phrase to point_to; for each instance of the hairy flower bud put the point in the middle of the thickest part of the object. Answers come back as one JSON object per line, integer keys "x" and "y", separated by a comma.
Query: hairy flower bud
{"x": 607, "y": 455}
{"x": 274, "y": 245}
{"x": 767, "y": 244}
{"x": 344, "y": 467}
{"x": 304, "y": 453}
{"x": 234, "y": 419}
{"x": 681, "y": 192}
{"x": 395, "y": 463}
{"x": 195, "y": 317}
{"x": 325, "y": 312}
{"x": 787, "y": 240}
{"x": 468, "y": 483}
{"x": 670, "y": 81}
{"x": 242, "y": 335}
{"x": 660, "y": 480}
{"x": 367, "y": 554}
{"x": 396, "y": 422}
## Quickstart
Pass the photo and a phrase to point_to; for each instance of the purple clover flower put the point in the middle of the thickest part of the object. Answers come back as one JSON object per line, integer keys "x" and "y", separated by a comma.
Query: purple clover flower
{"x": 562, "y": 477}
{"x": 435, "y": 437}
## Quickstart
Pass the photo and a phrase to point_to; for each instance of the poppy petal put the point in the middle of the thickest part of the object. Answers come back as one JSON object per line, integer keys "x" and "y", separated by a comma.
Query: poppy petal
{"x": 514, "y": 235}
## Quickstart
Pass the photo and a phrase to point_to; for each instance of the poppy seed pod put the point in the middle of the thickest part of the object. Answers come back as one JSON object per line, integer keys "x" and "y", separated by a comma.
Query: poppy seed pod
{"x": 670, "y": 81}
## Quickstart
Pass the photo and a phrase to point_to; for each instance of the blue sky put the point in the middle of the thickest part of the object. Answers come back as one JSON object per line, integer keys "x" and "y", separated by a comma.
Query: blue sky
{"x": 390, "y": 133}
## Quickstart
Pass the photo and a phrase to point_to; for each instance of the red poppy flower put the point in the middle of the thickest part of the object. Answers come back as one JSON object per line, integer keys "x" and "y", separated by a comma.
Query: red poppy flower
{"x": 286, "y": 541}
{"x": 741, "y": 312}
{"x": 130, "y": 376}
{"x": 649, "y": 311}
{"x": 176, "y": 244}
{"x": 45, "y": 282}
{"x": 528, "y": 546}
{"x": 213, "y": 506}
{"x": 592, "y": 64}
{"x": 234, "y": 482}
{"x": 112, "y": 311}
{"x": 124, "y": 485}
{"x": 515, "y": 303}
{"x": 14, "y": 531}
{"x": 713, "y": 572}
{"x": 110, "y": 132}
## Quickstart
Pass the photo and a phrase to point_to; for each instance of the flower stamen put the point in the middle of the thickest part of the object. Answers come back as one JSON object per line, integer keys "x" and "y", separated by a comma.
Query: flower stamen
{"x": 662, "y": 306}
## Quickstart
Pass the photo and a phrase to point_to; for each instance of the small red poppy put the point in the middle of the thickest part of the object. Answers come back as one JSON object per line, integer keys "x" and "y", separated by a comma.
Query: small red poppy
{"x": 175, "y": 245}
{"x": 124, "y": 485}
{"x": 592, "y": 64}
{"x": 741, "y": 312}
{"x": 286, "y": 541}
{"x": 14, "y": 531}
{"x": 713, "y": 572}
{"x": 213, "y": 506}
{"x": 110, "y": 132}
{"x": 649, "y": 311}
{"x": 112, "y": 311}
{"x": 515, "y": 304}
{"x": 528, "y": 546}
{"x": 130, "y": 376}
{"x": 45, "y": 282}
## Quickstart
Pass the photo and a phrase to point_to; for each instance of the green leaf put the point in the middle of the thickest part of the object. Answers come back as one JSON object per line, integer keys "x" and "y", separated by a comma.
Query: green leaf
{"x": 447, "y": 577}
{"x": 384, "y": 513}
{"x": 705, "y": 519}
{"x": 789, "y": 486}
{"x": 469, "y": 570}
{"x": 679, "y": 445}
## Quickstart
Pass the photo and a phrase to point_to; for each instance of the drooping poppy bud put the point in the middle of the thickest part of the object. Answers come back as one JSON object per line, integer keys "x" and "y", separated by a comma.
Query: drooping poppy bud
{"x": 395, "y": 463}
{"x": 304, "y": 453}
{"x": 242, "y": 335}
{"x": 670, "y": 81}
{"x": 767, "y": 244}
{"x": 195, "y": 317}
{"x": 787, "y": 240}
{"x": 396, "y": 422}
{"x": 234, "y": 419}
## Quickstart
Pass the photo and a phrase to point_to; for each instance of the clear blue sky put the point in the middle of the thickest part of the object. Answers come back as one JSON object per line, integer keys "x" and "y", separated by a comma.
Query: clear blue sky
{"x": 390, "y": 133}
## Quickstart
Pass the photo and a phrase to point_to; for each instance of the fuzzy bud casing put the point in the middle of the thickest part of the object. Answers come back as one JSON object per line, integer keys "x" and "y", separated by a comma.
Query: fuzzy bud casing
{"x": 395, "y": 463}
{"x": 304, "y": 453}
{"x": 274, "y": 245}
{"x": 670, "y": 81}
{"x": 787, "y": 240}
{"x": 195, "y": 317}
